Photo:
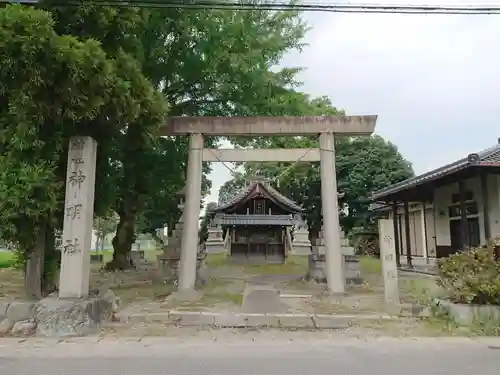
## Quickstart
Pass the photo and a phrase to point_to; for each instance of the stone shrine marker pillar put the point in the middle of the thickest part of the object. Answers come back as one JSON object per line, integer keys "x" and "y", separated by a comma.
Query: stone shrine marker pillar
{"x": 388, "y": 259}
{"x": 78, "y": 215}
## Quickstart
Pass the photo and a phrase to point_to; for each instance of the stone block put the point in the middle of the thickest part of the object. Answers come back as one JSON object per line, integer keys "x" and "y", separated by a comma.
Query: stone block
{"x": 199, "y": 319}
{"x": 6, "y": 326}
{"x": 63, "y": 318}
{"x": 348, "y": 250}
{"x": 261, "y": 320}
{"x": 295, "y": 321}
{"x": 20, "y": 310}
{"x": 189, "y": 318}
{"x": 409, "y": 309}
{"x": 330, "y": 322}
{"x": 215, "y": 248}
{"x": 466, "y": 314}
{"x": 3, "y": 309}
{"x": 301, "y": 250}
{"x": 96, "y": 258}
{"x": 229, "y": 320}
{"x": 160, "y": 317}
{"x": 26, "y": 327}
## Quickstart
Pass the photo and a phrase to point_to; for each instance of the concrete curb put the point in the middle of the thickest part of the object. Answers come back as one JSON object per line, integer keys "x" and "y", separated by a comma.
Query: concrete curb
{"x": 417, "y": 271}
{"x": 243, "y": 320}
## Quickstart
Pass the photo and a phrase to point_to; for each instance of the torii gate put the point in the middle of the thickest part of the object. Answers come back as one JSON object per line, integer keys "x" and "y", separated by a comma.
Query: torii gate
{"x": 79, "y": 202}
{"x": 325, "y": 126}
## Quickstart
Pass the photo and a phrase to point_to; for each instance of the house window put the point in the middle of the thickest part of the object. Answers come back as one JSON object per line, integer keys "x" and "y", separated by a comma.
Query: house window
{"x": 259, "y": 207}
{"x": 469, "y": 195}
{"x": 470, "y": 209}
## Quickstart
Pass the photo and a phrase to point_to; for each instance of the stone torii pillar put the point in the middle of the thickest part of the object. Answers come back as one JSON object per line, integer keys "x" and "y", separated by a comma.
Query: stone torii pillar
{"x": 334, "y": 269}
{"x": 189, "y": 243}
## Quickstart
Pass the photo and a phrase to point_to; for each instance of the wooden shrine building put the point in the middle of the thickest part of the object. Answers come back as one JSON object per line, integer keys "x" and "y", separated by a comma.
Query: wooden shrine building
{"x": 257, "y": 223}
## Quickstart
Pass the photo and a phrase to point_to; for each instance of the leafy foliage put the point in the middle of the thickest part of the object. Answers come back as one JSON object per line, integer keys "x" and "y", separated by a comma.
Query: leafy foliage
{"x": 471, "y": 277}
{"x": 51, "y": 87}
{"x": 204, "y": 62}
{"x": 54, "y": 87}
{"x": 205, "y": 222}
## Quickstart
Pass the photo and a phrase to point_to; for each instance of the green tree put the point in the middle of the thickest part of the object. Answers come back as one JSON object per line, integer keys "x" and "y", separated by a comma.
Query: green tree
{"x": 231, "y": 187}
{"x": 51, "y": 88}
{"x": 205, "y": 62}
{"x": 205, "y": 221}
{"x": 44, "y": 84}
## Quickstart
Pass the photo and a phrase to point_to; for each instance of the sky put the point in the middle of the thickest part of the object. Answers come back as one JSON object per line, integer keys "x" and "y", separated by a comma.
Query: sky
{"x": 433, "y": 80}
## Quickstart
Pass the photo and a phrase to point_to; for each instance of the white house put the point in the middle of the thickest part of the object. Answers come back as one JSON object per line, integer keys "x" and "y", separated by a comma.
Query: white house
{"x": 448, "y": 209}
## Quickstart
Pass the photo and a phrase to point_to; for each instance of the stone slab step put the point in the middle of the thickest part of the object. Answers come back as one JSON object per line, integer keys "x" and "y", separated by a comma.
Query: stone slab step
{"x": 248, "y": 320}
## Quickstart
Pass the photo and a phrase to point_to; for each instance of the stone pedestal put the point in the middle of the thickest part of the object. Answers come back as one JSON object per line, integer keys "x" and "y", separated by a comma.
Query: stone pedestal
{"x": 301, "y": 245}
{"x": 317, "y": 261}
{"x": 215, "y": 241}
{"x": 78, "y": 215}
{"x": 169, "y": 261}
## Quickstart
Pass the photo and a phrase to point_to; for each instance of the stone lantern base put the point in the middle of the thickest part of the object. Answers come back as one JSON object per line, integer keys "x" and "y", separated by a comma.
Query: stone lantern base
{"x": 170, "y": 265}
{"x": 316, "y": 270}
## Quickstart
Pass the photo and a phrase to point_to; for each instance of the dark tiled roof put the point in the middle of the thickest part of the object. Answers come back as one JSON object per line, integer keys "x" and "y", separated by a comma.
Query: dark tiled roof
{"x": 242, "y": 194}
{"x": 490, "y": 156}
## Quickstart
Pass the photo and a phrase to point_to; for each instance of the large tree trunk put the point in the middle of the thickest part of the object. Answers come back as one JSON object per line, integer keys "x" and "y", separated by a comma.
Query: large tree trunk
{"x": 122, "y": 243}
{"x": 33, "y": 272}
{"x": 52, "y": 264}
{"x": 97, "y": 242}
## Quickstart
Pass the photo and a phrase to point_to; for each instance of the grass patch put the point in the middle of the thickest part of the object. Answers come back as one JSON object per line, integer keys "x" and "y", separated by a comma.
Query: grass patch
{"x": 11, "y": 283}
{"x": 370, "y": 265}
{"x": 152, "y": 291}
{"x": 216, "y": 260}
{"x": 419, "y": 290}
{"x": 7, "y": 259}
{"x": 295, "y": 265}
{"x": 218, "y": 290}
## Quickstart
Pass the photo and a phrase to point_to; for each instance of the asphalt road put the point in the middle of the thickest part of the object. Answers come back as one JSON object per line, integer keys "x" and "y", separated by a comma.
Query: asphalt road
{"x": 273, "y": 357}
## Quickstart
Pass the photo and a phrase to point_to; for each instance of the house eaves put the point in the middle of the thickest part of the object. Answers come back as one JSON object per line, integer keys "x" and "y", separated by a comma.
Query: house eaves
{"x": 488, "y": 157}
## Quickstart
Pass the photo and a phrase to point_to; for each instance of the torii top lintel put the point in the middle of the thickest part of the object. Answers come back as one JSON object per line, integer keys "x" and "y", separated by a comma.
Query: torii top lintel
{"x": 269, "y": 125}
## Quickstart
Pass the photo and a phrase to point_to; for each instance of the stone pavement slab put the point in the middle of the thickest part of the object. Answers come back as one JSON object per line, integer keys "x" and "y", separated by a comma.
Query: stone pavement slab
{"x": 258, "y": 320}
{"x": 262, "y": 299}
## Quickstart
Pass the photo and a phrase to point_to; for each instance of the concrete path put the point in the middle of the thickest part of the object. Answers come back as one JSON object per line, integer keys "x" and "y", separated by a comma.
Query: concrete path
{"x": 245, "y": 357}
{"x": 262, "y": 299}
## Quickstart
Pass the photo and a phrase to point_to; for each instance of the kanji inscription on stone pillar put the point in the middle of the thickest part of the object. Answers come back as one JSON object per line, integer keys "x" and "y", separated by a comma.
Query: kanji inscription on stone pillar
{"x": 78, "y": 216}
{"x": 388, "y": 259}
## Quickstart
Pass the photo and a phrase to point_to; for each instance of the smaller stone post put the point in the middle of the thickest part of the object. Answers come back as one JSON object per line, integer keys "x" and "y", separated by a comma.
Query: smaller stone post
{"x": 301, "y": 245}
{"x": 78, "y": 215}
{"x": 215, "y": 241}
{"x": 388, "y": 259}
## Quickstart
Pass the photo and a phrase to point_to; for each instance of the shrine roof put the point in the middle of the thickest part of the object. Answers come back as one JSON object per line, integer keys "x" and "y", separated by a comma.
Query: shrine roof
{"x": 259, "y": 187}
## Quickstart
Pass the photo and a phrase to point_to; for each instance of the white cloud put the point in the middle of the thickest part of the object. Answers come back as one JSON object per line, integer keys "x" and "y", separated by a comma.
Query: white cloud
{"x": 432, "y": 79}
